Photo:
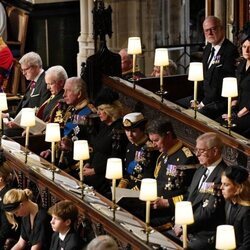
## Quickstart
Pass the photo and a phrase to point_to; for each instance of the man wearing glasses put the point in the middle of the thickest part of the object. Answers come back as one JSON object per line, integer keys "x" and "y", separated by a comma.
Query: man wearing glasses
{"x": 219, "y": 61}
{"x": 36, "y": 92}
{"x": 208, "y": 206}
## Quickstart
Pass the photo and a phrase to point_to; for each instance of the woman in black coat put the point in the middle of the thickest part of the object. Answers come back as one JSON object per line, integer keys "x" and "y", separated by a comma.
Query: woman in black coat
{"x": 236, "y": 190}
{"x": 110, "y": 141}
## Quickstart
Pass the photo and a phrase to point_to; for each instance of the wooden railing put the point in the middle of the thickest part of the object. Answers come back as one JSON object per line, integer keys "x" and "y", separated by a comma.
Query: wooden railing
{"x": 236, "y": 149}
{"x": 38, "y": 174}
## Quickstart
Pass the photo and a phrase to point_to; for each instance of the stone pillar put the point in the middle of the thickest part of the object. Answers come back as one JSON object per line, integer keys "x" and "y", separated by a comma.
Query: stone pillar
{"x": 220, "y": 10}
{"x": 85, "y": 40}
{"x": 178, "y": 31}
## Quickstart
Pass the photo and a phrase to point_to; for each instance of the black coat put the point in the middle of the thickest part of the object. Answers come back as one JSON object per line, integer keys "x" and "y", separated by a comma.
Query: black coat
{"x": 239, "y": 217}
{"x": 38, "y": 97}
{"x": 208, "y": 209}
{"x": 71, "y": 242}
{"x": 223, "y": 65}
{"x": 110, "y": 142}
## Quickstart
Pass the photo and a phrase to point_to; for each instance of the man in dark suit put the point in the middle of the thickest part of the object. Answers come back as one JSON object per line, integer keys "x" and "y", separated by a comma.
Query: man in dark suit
{"x": 219, "y": 61}
{"x": 36, "y": 93}
{"x": 208, "y": 205}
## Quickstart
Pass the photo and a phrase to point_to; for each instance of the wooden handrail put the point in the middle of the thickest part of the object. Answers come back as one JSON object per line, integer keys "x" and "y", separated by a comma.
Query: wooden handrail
{"x": 236, "y": 141}
{"x": 85, "y": 209}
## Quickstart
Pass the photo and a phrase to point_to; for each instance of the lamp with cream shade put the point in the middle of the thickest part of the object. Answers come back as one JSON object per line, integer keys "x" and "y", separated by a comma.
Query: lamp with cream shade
{"x": 81, "y": 153}
{"x": 134, "y": 48}
{"x": 114, "y": 172}
{"x": 53, "y": 135}
{"x": 3, "y": 107}
{"x": 161, "y": 60}
{"x": 148, "y": 193}
{"x": 27, "y": 120}
{"x": 184, "y": 216}
{"x": 195, "y": 74}
{"x": 225, "y": 237}
{"x": 229, "y": 90}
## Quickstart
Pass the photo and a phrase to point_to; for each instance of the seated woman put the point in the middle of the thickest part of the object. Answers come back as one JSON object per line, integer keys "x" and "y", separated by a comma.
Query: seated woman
{"x": 235, "y": 185}
{"x": 35, "y": 227}
{"x": 241, "y": 106}
{"x": 5, "y": 62}
{"x": 109, "y": 142}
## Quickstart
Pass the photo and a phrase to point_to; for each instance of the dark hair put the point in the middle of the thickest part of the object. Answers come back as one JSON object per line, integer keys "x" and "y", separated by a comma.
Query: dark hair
{"x": 161, "y": 127}
{"x": 238, "y": 174}
{"x": 245, "y": 33}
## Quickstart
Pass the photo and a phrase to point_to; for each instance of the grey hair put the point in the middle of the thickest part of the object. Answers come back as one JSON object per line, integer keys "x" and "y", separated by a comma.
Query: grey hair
{"x": 58, "y": 72}
{"x": 79, "y": 85}
{"x": 212, "y": 140}
{"x": 31, "y": 59}
{"x": 102, "y": 242}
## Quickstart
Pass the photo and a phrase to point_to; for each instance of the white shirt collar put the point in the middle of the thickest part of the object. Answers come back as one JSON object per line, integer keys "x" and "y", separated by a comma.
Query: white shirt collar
{"x": 62, "y": 236}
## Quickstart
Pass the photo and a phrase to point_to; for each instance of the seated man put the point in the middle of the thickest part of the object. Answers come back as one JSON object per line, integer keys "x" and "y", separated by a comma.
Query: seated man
{"x": 169, "y": 70}
{"x": 208, "y": 207}
{"x": 76, "y": 120}
{"x": 219, "y": 60}
{"x": 36, "y": 93}
{"x": 140, "y": 154}
{"x": 127, "y": 66}
{"x": 55, "y": 78}
{"x": 174, "y": 171}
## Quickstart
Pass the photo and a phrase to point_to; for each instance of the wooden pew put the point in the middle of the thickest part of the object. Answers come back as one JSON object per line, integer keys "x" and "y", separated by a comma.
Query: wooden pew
{"x": 177, "y": 86}
{"x": 236, "y": 148}
{"x": 31, "y": 174}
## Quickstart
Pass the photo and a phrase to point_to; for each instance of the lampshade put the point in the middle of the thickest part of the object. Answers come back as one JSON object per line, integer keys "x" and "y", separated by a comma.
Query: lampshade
{"x": 3, "y": 102}
{"x": 28, "y": 117}
{"x": 195, "y": 72}
{"x": 225, "y": 237}
{"x": 161, "y": 57}
{"x": 114, "y": 168}
{"x": 81, "y": 150}
{"x": 134, "y": 45}
{"x": 52, "y": 133}
{"x": 184, "y": 213}
{"x": 229, "y": 87}
{"x": 148, "y": 191}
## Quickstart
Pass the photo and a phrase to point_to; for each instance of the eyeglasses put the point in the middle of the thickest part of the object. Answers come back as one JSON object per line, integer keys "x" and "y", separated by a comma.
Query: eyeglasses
{"x": 212, "y": 29}
{"x": 201, "y": 150}
{"x": 26, "y": 69}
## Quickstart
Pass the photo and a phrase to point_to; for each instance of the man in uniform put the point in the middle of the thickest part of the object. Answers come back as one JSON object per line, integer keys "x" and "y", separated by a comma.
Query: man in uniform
{"x": 55, "y": 78}
{"x": 174, "y": 171}
{"x": 140, "y": 153}
{"x": 78, "y": 121}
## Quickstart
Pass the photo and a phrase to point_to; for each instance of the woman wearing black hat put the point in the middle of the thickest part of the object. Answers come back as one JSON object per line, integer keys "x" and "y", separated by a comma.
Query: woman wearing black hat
{"x": 110, "y": 141}
{"x": 241, "y": 106}
{"x": 236, "y": 190}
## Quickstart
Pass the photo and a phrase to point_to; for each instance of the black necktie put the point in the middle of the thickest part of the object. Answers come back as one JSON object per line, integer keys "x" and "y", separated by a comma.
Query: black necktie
{"x": 203, "y": 178}
{"x": 210, "y": 57}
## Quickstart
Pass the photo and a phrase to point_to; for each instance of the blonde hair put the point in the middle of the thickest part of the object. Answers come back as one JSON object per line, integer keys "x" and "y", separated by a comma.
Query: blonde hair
{"x": 12, "y": 196}
{"x": 114, "y": 110}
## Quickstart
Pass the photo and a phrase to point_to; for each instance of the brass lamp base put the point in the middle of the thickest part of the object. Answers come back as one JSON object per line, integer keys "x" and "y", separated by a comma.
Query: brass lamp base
{"x": 161, "y": 93}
